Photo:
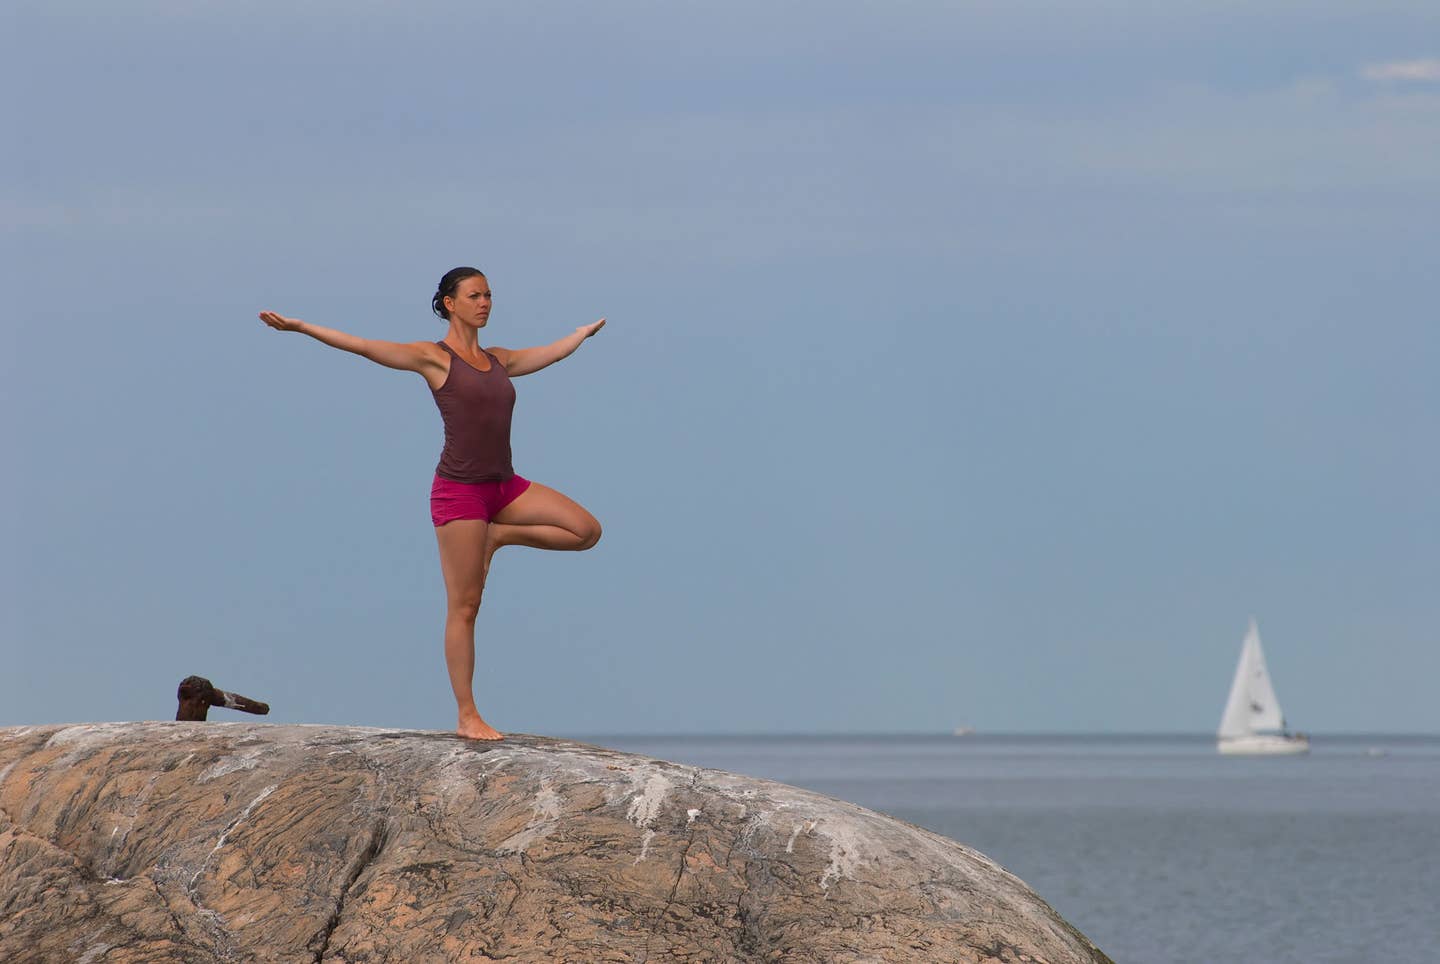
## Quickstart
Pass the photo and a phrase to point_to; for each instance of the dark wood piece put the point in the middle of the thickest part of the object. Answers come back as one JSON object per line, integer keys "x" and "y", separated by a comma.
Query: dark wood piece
{"x": 197, "y": 694}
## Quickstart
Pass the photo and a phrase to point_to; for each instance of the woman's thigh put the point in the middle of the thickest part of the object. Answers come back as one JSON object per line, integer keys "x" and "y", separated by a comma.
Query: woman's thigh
{"x": 540, "y": 505}
{"x": 462, "y": 557}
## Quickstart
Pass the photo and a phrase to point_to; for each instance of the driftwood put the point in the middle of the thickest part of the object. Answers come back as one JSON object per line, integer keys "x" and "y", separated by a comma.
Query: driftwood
{"x": 197, "y": 694}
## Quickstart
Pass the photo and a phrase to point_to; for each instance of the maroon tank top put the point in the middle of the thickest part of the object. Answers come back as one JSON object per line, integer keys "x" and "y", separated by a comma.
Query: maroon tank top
{"x": 476, "y": 407}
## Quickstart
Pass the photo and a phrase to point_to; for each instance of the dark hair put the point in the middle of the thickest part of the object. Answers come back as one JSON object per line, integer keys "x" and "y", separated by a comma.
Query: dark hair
{"x": 447, "y": 286}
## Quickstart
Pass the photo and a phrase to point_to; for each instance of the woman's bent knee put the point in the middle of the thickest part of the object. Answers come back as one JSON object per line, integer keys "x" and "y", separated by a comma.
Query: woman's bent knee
{"x": 589, "y": 535}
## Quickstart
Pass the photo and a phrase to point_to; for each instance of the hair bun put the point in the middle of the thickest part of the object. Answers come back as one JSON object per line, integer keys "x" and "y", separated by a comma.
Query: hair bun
{"x": 446, "y": 288}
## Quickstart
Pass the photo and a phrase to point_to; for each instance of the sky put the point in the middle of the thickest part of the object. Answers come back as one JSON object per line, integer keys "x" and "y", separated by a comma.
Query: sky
{"x": 983, "y": 364}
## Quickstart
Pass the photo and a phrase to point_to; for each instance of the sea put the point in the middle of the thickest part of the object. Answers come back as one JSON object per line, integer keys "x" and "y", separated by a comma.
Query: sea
{"x": 1156, "y": 847}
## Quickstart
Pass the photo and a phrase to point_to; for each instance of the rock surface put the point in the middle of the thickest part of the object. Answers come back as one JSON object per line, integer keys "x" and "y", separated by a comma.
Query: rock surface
{"x": 252, "y": 842}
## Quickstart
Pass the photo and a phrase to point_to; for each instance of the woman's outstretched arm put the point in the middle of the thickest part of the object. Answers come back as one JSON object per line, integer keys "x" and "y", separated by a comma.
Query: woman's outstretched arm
{"x": 523, "y": 361}
{"x": 411, "y": 357}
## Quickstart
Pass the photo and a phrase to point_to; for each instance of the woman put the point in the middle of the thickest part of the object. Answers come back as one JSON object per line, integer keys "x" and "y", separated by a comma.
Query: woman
{"x": 477, "y": 502}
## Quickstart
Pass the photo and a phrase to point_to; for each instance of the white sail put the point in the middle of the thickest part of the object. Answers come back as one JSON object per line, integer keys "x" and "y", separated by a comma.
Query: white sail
{"x": 1252, "y": 707}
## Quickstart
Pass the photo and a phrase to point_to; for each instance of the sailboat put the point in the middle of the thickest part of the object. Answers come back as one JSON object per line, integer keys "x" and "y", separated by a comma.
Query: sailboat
{"x": 1253, "y": 723}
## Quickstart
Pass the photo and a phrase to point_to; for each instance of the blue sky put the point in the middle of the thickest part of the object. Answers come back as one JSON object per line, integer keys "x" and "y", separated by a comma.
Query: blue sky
{"x": 979, "y": 364}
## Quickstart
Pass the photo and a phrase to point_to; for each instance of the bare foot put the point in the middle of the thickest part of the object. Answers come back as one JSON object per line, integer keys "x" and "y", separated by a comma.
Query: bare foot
{"x": 494, "y": 542}
{"x": 472, "y": 727}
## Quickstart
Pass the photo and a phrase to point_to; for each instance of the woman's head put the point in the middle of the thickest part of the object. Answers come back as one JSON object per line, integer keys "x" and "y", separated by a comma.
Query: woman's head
{"x": 461, "y": 289}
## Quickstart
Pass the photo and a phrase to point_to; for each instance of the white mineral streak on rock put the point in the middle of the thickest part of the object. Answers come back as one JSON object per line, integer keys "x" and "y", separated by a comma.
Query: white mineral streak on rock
{"x": 645, "y": 839}
{"x": 546, "y": 812}
{"x": 460, "y": 771}
{"x": 805, "y": 826}
{"x": 136, "y": 803}
{"x": 82, "y": 739}
{"x": 794, "y": 812}
{"x": 86, "y": 736}
{"x": 845, "y": 851}
{"x": 745, "y": 840}
{"x": 452, "y": 768}
{"x": 494, "y": 762}
{"x": 225, "y": 834}
{"x": 6, "y": 771}
{"x": 248, "y": 760}
{"x": 94, "y": 952}
{"x": 83, "y": 733}
{"x": 645, "y": 807}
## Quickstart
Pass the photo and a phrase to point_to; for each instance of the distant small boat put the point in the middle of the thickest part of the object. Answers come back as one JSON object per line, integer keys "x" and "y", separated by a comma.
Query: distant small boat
{"x": 964, "y": 731}
{"x": 1253, "y": 723}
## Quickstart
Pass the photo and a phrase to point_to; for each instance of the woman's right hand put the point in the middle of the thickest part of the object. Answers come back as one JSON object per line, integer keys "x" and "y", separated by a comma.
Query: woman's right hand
{"x": 280, "y": 322}
{"x": 425, "y": 357}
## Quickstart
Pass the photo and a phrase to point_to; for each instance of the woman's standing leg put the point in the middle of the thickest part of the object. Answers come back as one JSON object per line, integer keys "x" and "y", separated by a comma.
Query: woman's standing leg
{"x": 463, "y": 559}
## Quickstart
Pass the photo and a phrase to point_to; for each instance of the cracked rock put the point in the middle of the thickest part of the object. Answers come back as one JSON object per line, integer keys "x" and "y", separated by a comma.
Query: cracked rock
{"x": 258, "y": 842}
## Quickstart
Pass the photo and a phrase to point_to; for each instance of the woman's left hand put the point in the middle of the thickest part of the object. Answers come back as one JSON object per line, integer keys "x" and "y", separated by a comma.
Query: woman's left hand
{"x": 588, "y": 330}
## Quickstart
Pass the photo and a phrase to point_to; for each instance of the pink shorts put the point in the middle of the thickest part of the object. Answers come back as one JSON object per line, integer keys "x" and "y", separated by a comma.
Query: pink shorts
{"x": 451, "y": 500}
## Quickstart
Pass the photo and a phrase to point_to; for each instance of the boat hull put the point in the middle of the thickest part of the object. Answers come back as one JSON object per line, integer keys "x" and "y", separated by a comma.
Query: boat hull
{"x": 1264, "y": 745}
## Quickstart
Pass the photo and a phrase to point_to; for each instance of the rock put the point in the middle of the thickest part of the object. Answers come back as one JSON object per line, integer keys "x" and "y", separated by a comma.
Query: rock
{"x": 252, "y": 842}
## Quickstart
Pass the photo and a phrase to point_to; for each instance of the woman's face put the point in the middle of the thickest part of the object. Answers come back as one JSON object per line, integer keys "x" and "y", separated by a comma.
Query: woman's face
{"x": 470, "y": 304}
